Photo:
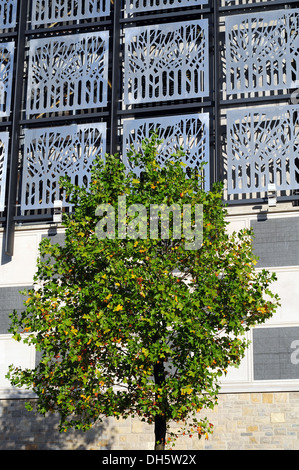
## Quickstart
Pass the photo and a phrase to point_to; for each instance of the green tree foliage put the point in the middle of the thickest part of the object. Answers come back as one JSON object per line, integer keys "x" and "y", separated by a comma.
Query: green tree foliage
{"x": 139, "y": 327}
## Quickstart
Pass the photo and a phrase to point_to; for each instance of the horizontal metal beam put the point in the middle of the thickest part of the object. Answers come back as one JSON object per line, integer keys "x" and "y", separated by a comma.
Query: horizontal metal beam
{"x": 166, "y": 108}
{"x": 256, "y": 100}
{"x": 260, "y": 200}
{"x": 69, "y": 29}
{"x": 53, "y": 120}
{"x": 165, "y": 16}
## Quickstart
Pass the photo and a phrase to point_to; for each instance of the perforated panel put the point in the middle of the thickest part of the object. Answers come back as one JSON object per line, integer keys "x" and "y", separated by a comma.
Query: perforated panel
{"x": 3, "y": 166}
{"x": 55, "y": 152}
{"x": 168, "y": 61}
{"x": 190, "y": 132}
{"x": 52, "y": 11}
{"x": 263, "y": 148}
{"x": 10, "y": 299}
{"x": 275, "y": 353}
{"x": 262, "y": 51}
{"x": 136, "y": 6}
{"x": 8, "y": 13}
{"x": 68, "y": 73}
{"x": 6, "y": 76}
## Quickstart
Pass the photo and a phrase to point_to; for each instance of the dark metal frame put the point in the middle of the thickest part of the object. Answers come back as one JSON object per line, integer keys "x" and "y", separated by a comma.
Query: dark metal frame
{"x": 15, "y": 131}
{"x": 115, "y": 111}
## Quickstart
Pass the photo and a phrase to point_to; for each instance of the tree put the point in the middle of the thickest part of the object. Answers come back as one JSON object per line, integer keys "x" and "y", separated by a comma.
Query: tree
{"x": 140, "y": 325}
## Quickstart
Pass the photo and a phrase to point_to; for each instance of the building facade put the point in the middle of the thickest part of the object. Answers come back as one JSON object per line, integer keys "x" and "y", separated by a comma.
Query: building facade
{"x": 79, "y": 78}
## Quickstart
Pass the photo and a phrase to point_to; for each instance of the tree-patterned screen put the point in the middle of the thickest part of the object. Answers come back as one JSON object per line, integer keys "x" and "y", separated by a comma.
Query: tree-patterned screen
{"x": 68, "y": 73}
{"x": 6, "y": 76}
{"x": 136, "y": 6}
{"x": 179, "y": 64}
{"x": 8, "y": 13}
{"x": 168, "y": 61}
{"x": 54, "y": 152}
{"x": 262, "y": 51}
{"x": 52, "y": 11}
{"x": 4, "y": 136}
{"x": 190, "y": 132}
{"x": 263, "y": 148}
{"x": 239, "y": 3}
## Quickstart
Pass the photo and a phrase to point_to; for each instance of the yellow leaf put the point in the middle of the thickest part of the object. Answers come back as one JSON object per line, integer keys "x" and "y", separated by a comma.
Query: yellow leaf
{"x": 74, "y": 330}
{"x": 118, "y": 308}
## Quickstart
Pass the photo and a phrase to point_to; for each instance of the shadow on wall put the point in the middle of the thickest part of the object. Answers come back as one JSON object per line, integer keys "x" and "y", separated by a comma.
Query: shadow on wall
{"x": 26, "y": 430}
{"x": 5, "y": 259}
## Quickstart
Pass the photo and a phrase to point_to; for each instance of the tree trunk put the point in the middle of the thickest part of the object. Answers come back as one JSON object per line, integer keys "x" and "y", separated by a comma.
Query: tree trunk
{"x": 160, "y": 432}
{"x": 160, "y": 419}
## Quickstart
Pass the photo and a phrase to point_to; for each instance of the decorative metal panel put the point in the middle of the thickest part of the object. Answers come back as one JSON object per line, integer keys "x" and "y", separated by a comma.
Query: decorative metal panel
{"x": 263, "y": 148}
{"x": 8, "y": 13}
{"x": 68, "y": 73}
{"x": 6, "y": 76}
{"x": 168, "y": 61}
{"x": 54, "y": 152}
{"x": 4, "y": 136}
{"x": 136, "y": 6}
{"x": 190, "y": 132}
{"x": 53, "y": 11}
{"x": 262, "y": 51}
{"x": 228, "y": 3}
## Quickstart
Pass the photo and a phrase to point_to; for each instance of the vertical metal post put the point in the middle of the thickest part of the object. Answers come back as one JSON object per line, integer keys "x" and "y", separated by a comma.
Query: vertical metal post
{"x": 15, "y": 131}
{"x": 115, "y": 76}
{"x": 217, "y": 164}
